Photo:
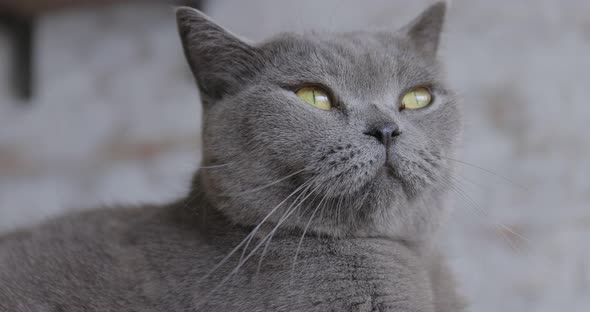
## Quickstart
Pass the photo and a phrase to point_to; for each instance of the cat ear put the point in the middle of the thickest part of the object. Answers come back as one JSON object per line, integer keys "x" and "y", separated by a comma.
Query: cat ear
{"x": 425, "y": 30}
{"x": 219, "y": 60}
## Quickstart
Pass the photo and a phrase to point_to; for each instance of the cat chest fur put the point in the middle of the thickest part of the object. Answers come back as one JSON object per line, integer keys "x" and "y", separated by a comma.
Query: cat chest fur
{"x": 328, "y": 275}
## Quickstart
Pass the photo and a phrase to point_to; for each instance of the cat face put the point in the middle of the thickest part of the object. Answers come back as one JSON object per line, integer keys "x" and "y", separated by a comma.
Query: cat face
{"x": 370, "y": 159}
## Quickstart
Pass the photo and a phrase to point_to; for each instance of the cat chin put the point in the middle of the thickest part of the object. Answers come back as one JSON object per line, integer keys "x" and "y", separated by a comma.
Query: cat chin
{"x": 384, "y": 180}
{"x": 353, "y": 181}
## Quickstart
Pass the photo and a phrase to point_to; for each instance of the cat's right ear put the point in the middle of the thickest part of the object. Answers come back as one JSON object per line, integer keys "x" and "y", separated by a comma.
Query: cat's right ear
{"x": 425, "y": 30}
{"x": 219, "y": 60}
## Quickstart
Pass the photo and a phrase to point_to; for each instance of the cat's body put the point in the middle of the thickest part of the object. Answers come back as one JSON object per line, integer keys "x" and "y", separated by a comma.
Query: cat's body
{"x": 296, "y": 209}
{"x": 154, "y": 259}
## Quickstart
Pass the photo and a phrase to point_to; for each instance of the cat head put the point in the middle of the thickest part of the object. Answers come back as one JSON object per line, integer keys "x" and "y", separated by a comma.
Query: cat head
{"x": 345, "y": 134}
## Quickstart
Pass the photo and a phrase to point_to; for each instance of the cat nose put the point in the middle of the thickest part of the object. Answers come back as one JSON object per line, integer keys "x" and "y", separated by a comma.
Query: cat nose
{"x": 384, "y": 132}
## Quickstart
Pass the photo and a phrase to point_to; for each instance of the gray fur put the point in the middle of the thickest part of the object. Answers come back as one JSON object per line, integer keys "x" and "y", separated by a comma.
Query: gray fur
{"x": 339, "y": 220}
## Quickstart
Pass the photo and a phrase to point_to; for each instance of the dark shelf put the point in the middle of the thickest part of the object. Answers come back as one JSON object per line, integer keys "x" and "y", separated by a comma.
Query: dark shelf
{"x": 19, "y": 20}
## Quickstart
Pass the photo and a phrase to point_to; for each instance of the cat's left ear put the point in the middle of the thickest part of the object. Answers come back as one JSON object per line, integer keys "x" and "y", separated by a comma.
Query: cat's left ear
{"x": 425, "y": 30}
{"x": 221, "y": 62}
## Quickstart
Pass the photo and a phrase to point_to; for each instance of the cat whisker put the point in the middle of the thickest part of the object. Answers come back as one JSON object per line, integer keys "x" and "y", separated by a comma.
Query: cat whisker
{"x": 486, "y": 171}
{"x": 247, "y": 239}
{"x": 215, "y": 166}
{"x": 281, "y": 221}
{"x": 471, "y": 182}
{"x": 322, "y": 201}
{"x": 301, "y": 187}
{"x": 236, "y": 269}
{"x": 499, "y": 228}
{"x": 295, "y": 202}
{"x": 287, "y": 214}
{"x": 189, "y": 199}
{"x": 264, "y": 186}
{"x": 362, "y": 202}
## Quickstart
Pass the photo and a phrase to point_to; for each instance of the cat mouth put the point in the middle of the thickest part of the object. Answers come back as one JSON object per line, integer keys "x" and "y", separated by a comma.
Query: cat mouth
{"x": 387, "y": 169}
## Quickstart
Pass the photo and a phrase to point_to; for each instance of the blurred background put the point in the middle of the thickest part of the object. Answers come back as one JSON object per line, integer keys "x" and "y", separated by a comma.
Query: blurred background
{"x": 98, "y": 107}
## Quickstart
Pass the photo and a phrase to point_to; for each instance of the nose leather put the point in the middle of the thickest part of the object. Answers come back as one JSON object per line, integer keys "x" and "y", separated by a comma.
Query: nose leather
{"x": 384, "y": 132}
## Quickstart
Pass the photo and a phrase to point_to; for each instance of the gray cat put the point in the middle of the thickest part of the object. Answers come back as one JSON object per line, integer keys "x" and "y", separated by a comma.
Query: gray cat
{"x": 325, "y": 172}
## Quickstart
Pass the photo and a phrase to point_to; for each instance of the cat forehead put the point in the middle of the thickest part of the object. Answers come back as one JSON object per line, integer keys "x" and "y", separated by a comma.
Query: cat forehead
{"x": 334, "y": 47}
{"x": 368, "y": 59}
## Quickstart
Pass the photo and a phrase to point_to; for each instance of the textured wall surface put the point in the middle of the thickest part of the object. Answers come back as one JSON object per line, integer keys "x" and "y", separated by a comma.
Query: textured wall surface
{"x": 116, "y": 120}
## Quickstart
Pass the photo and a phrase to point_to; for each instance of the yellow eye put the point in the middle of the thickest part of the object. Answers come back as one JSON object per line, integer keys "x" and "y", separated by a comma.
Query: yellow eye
{"x": 416, "y": 99}
{"x": 315, "y": 96}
